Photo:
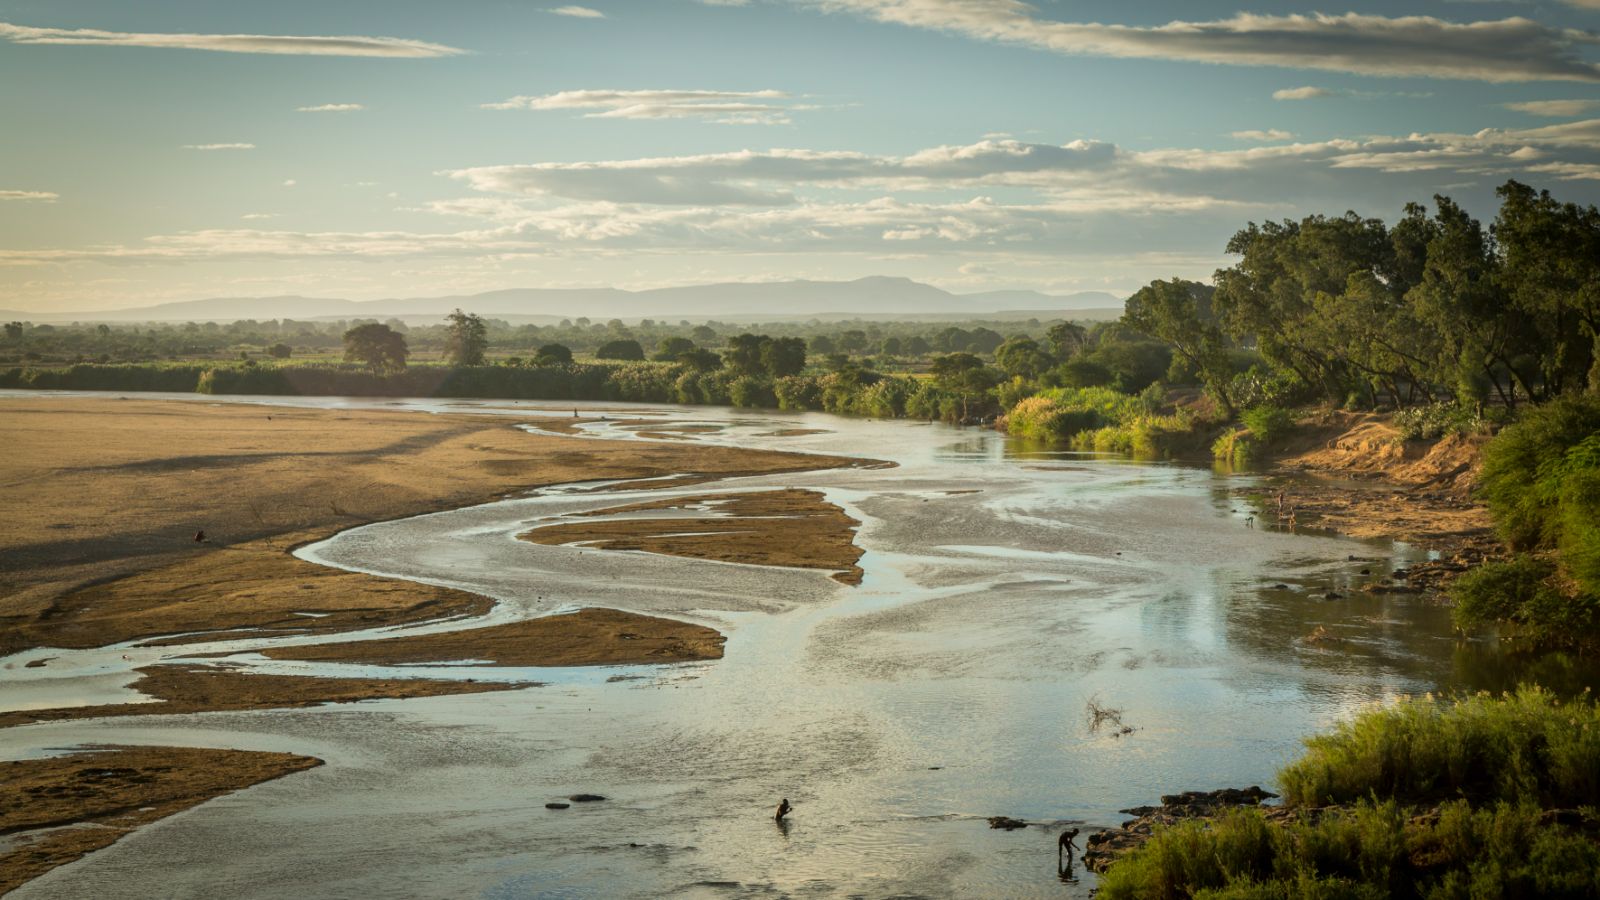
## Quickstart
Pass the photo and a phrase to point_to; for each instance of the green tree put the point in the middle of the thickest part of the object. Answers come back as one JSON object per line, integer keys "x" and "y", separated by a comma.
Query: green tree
{"x": 670, "y": 348}
{"x": 1179, "y": 312}
{"x": 783, "y": 356}
{"x": 1550, "y": 259}
{"x": 1067, "y": 339}
{"x": 624, "y": 348}
{"x": 280, "y": 350}
{"x": 14, "y": 331}
{"x": 743, "y": 355}
{"x": 378, "y": 347}
{"x": 965, "y": 376}
{"x": 700, "y": 359}
{"x": 553, "y": 355}
{"x": 466, "y": 338}
{"x": 1021, "y": 356}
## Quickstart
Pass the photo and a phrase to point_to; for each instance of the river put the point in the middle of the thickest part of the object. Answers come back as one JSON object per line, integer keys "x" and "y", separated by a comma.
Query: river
{"x": 1005, "y": 591}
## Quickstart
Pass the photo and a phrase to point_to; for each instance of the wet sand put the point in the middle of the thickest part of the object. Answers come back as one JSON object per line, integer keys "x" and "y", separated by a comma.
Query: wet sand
{"x": 105, "y": 498}
{"x": 61, "y": 808}
{"x": 792, "y": 528}
{"x": 201, "y": 688}
{"x": 585, "y": 638}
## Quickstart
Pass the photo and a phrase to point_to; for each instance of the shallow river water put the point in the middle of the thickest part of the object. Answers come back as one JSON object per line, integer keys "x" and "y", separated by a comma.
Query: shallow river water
{"x": 1004, "y": 592}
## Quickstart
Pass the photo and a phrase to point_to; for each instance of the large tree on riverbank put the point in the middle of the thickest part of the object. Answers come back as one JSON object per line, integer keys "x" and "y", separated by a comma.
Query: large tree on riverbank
{"x": 378, "y": 347}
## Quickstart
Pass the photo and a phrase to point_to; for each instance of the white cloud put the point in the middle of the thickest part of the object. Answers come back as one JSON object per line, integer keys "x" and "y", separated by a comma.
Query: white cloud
{"x": 766, "y": 107}
{"x": 295, "y": 45}
{"x": 1512, "y": 49}
{"x": 250, "y": 217}
{"x": 1270, "y": 134}
{"x": 331, "y": 107}
{"x": 1302, "y": 93}
{"x": 577, "y": 12}
{"x": 290, "y": 182}
{"x": 38, "y": 196}
{"x": 725, "y": 2}
{"x": 1556, "y": 107}
{"x": 219, "y": 146}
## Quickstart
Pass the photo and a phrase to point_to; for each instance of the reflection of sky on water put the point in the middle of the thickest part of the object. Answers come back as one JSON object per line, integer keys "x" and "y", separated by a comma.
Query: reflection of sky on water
{"x": 1005, "y": 588}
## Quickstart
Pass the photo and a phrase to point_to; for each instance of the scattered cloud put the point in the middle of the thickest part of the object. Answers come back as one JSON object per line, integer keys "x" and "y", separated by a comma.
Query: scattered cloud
{"x": 723, "y": 107}
{"x": 577, "y": 12}
{"x": 36, "y": 196}
{"x": 219, "y": 146}
{"x": 1557, "y": 108}
{"x": 1504, "y": 50}
{"x": 1270, "y": 134}
{"x": 1302, "y": 93}
{"x": 294, "y": 45}
{"x": 725, "y": 2}
{"x": 331, "y": 108}
{"x": 251, "y": 217}
{"x": 290, "y": 182}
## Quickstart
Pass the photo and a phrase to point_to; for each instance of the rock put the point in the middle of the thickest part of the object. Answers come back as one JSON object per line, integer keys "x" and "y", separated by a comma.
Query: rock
{"x": 1280, "y": 586}
{"x": 1104, "y": 847}
{"x": 1006, "y": 822}
{"x": 586, "y": 798}
{"x": 557, "y": 805}
{"x": 1331, "y": 595}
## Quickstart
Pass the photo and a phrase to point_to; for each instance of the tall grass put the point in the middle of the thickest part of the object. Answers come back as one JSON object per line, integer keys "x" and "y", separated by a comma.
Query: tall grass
{"x": 1372, "y": 850}
{"x": 1526, "y": 744}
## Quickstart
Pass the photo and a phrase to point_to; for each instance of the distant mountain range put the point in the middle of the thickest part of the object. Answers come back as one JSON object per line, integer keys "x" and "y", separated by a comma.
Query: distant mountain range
{"x": 867, "y": 298}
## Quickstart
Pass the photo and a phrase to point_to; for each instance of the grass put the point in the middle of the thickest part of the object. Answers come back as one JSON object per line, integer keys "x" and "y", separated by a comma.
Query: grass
{"x": 1372, "y": 850}
{"x": 1490, "y": 765}
{"x": 1526, "y": 744}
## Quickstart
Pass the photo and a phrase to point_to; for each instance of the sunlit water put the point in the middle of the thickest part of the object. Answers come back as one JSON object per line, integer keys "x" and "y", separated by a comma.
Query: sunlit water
{"x": 1004, "y": 591}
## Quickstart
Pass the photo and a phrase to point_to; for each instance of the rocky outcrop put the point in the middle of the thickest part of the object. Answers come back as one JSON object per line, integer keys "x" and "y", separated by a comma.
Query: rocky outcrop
{"x": 1105, "y": 847}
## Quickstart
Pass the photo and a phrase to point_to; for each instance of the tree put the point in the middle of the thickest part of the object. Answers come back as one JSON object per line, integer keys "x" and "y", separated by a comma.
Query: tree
{"x": 744, "y": 354}
{"x": 703, "y": 334}
{"x": 553, "y": 355}
{"x": 14, "y": 331}
{"x": 917, "y": 345}
{"x": 1179, "y": 312}
{"x": 891, "y": 346}
{"x": 822, "y": 345}
{"x": 701, "y": 359}
{"x": 964, "y": 375}
{"x": 379, "y": 347}
{"x": 1550, "y": 262}
{"x": 466, "y": 337}
{"x": 853, "y": 341}
{"x": 1021, "y": 356}
{"x": 280, "y": 351}
{"x": 783, "y": 356}
{"x": 671, "y": 348}
{"x": 625, "y": 348}
{"x": 1067, "y": 339}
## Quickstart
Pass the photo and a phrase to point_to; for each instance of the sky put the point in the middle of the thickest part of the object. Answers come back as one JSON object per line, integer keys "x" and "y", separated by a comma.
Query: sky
{"x": 163, "y": 150}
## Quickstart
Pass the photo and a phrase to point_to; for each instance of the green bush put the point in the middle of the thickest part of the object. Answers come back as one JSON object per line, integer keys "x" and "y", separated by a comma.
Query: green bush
{"x": 1268, "y": 424}
{"x": 1525, "y": 745}
{"x": 1437, "y": 420}
{"x": 1524, "y": 595}
{"x": 1371, "y": 851}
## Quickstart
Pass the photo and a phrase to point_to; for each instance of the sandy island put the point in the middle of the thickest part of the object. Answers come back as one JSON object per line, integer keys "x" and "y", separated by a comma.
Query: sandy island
{"x": 793, "y": 527}
{"x": 71, "y": 806}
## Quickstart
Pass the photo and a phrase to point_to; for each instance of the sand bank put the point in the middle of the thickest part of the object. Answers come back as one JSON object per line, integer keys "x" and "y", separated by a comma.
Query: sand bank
{"x": 60, "y": 809}
{"x": 796, "y": 528}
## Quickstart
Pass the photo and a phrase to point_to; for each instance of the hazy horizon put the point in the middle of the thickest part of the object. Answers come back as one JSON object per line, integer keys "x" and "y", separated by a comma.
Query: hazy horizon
{"x": 170, "y": 152}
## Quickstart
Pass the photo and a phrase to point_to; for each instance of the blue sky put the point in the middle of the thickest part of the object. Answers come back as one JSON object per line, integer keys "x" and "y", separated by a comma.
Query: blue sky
{"x": 175, "y": 150}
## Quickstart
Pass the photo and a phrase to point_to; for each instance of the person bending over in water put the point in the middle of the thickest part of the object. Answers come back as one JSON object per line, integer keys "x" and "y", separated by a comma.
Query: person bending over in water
{"x": 783, "y": 809}
{"x": 1065, "y": 845}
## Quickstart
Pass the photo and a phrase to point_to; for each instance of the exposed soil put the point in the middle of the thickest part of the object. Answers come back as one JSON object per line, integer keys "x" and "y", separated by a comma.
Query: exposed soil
{"x": 792, "y": 527}
{"x": 584, "y": 638}
{"x": 105, "y": 498}
{"x": 1353, "y": 474}
{"x": 203, "y": 688}
{"x": 60, "y": 809}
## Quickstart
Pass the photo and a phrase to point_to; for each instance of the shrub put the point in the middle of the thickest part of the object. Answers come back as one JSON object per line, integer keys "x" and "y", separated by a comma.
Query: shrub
{"x": 1524, "y": 595}
{"x": 1436, "y": 420}
{"x": 1371, "y": 851}
{"x": 750, "y": 391}
{"x": 1525, "y": 744}
{"x": 1268, "y": 424}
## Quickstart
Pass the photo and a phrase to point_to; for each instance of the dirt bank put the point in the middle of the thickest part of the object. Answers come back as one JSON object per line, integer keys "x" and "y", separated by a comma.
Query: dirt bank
{"x": 1354, "y": 474}
{"x": 206, "y": 688}
{"x": 584, "y": 638}
{"x": 795, "y": 528}
{"x": 60, "y": 809}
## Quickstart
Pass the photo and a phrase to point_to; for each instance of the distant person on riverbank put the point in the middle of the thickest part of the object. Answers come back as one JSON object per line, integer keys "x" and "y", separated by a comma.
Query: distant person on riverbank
{"x": 783, "y": 809}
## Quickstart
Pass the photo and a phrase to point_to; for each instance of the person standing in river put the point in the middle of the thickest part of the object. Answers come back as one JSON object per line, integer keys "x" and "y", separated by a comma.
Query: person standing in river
{"x": 783, "y": 809}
